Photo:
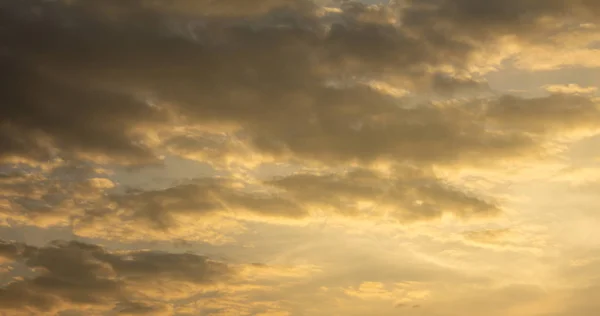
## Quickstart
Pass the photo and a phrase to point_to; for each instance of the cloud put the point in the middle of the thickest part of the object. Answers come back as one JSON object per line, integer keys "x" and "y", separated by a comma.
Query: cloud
{"x": 570, "y": 89}
{"x": 139, "y": 80}
{"x": 221, "y": 150}
{"x": 448, "y": 85}
{"x": 68, "y": 276}
{"x": 209, "y": 209}
{"x": 50, "y": 194}
{"x": 216, "y": 209}
{"x": 245, "y": 86}
{"x": 493, "y": 19}
{"x": 558, "y": 113}
{"x": 401, "y": 293}
{"x": 491, "y": 236}
{"x": 234, "y": 8}
{"x": 580, "y": 279}
{"x": 487, "y": 129}
{"x": 74, "y": 275}
{"x": 406, "y": 195}
{"x": 92, "y": 279}
{"x": 273, "y": 84}
{"x": 136, "y": 308}
{"x": 46, "y": 117}
{"x": 8, "y": 251}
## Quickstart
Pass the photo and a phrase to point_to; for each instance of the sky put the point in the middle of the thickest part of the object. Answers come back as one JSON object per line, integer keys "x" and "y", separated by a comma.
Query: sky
{"x": 300, "y": 157}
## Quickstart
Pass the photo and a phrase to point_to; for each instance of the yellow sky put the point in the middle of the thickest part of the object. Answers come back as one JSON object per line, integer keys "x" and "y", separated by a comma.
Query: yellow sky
{"x": 299, "y": 157}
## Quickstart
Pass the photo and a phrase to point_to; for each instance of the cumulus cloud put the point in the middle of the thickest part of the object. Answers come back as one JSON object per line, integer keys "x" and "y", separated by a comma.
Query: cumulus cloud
{"x": 191, "y": 7}
{"x": 74, "y": 275}
{"x": 116, "y": 82}
{"x": 336, "y": 88}
{"x": 69, "y": 276}
{"x": 268, "y": 75}
{"x": 46, "y": 117}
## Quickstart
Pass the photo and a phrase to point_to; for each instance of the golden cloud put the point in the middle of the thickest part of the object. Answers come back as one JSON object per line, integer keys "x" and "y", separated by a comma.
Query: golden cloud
{"x": 372, "y": 105}
{"x": 87, "y": 277}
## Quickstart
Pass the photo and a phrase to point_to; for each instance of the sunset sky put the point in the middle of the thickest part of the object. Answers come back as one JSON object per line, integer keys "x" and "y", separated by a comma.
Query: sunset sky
{"x": 300, "y": 157}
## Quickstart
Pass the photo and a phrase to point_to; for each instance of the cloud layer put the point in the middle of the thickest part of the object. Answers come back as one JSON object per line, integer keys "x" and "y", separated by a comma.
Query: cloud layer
{"x": 314, "y": 131}
{"x": 287, "y": 82}
{"x": 79, "y": 276}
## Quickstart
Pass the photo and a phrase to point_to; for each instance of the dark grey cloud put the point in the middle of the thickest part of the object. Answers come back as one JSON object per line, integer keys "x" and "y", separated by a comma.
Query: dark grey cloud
{"x": 269, "y": 74}
{"x": 118, "y": 80}
{"x": 75, "y": 275}
{"x": 44, "y": 116}
{"x": 120, "y": 9}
